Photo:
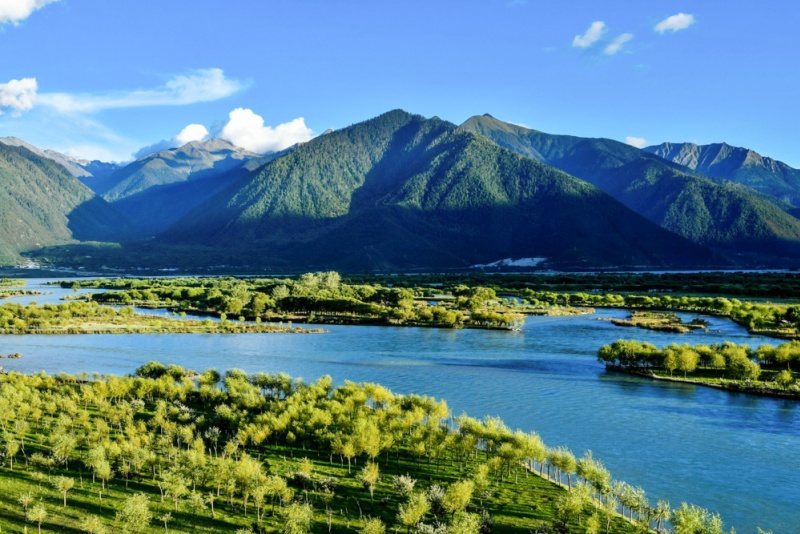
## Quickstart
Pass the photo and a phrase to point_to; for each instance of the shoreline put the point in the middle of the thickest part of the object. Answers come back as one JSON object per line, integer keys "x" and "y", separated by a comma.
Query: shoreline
{"x": 749, "y": 391}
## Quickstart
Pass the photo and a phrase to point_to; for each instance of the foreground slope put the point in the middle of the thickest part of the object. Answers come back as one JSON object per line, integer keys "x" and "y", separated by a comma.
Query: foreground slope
{"x": 41, "y": 203}
{"x": 720, "y": 160}
{"x": 402, "y": 191}
{"x": 724, "y": 216}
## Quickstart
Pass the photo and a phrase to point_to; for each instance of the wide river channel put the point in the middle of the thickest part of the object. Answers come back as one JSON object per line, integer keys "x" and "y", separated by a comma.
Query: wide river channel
{"x": 735, "y": 454}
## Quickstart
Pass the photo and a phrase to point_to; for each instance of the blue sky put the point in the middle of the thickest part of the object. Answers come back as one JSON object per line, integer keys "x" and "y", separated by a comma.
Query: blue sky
{"x": 102, "y": 79}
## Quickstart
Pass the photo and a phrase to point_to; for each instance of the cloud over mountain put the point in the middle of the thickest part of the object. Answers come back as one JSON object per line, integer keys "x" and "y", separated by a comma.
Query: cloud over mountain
{"x": 246, "y": 129}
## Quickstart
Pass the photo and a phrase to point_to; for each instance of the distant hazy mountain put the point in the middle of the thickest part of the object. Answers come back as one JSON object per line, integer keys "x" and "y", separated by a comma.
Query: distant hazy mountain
{"x": 71, "y": 164}
{"x": 157, "y": 190}
{"x": 725, "y": 216}
{"x": 771, "y": 177}
{"x": 193, "y": 160}
{"x": 404, "y": 192}
{"x": 41, "y": 203}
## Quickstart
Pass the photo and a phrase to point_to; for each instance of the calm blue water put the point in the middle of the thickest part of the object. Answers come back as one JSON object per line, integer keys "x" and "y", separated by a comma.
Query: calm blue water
{"x": 731, "y": 453}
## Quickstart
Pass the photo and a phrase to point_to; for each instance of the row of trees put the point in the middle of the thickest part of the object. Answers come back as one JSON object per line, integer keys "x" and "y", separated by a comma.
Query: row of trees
{"x": 739, "y": 362}
{"x": 214, "y": 451}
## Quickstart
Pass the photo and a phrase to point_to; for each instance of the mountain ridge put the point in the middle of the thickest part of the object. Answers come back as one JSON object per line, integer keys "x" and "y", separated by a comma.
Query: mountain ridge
{"x": 432, "y": 187}
{"x": 738, "y": 164}
{"x": 705, "y": 211}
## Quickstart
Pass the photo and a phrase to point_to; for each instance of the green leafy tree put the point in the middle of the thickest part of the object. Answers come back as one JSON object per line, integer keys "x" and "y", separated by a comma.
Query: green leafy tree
{"x": 134, "y": 515}
{"x": 373, "y": 525}
{"x": 411, "y": 512}
{"x": 93, "y": 525}
{"x": 458, "y": 496}
{"x": 784, "y": 379}
{"x": 297, "y": 518}
{"x": 63, "y": 485}
{"x": 369, "y": 477}
{"x": 37, "y": 514}
{"x": 466, "y": 523}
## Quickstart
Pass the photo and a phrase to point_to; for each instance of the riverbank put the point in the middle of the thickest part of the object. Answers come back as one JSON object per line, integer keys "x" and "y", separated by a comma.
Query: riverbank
{"x": 91, "y": 318}
{"x": 735, "y": 386}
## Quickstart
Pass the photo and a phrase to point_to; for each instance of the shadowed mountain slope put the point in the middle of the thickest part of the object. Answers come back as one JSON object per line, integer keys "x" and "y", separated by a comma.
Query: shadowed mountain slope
{"x": 402, "y": 191}
{"x": 725, "y": 216}
{"x": 41, "y": 203}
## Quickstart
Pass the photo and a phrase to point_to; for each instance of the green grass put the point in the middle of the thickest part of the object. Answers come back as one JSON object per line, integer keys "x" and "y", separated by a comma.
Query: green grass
{"x": 518, "y": 504}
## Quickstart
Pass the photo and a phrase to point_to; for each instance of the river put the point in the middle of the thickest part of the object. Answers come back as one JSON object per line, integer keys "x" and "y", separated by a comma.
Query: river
{"x": 728, "y": 452}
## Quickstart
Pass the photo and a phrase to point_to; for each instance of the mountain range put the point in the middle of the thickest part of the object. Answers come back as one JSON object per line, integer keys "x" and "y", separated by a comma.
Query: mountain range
{"x": 741, "y": 165}
{"x": 404, "y": 192}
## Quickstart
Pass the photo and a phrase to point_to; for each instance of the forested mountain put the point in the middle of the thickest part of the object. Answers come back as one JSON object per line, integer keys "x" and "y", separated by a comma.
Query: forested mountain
{"x": 402, "y": 191}
{"x": 41, "y": 203}
{"x": 725, "y": 216}
{"x": 720, "y": 160}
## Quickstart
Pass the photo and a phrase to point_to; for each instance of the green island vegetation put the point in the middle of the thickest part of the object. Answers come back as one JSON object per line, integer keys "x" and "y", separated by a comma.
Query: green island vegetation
{"x": 660, "y": 321}
{"x": 313, "y": 298}
{"x": 14, "y": 283}
{"x": 766, "y": 370}
{"x": 92, "y": 318}
{"x": 428, "y": 301}
{"x": 8, "y": 293}
{"x": 175, "y": 450}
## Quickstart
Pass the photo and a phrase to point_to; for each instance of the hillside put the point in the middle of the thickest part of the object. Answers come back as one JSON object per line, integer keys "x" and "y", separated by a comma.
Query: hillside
{"x": 402, "y": 191}
{"x": 720, "y": 160}
{"x": 42, "y": 204}
{"x": 725, "y": 216}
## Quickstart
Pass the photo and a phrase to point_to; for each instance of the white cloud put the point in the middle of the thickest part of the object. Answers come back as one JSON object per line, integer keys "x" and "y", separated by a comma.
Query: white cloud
{"x": 591, "y": 36}
{"x": 675, "y": 23}
{"x": 616, "y": 45}
{"x": 15, "y": 11}
{"x": 193, "y": 132}
{"x": 17, "y": 95}
{"x": 638, "y": 142}
{"x": 246, "y": 129}
{"x": 202, "y": 85}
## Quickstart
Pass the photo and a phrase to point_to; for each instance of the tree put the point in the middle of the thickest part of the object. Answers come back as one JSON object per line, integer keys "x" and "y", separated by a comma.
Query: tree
{"x": 687, "y": 360}
{"x": 412, "y": 512}
{"x": 465, "y": 523}
{"x": 93, "y": 525}
{"x": 26, "y": 499}
{"x": 135, "y": 514}
{"x": 369, "y": 477}
{"x": 165, "y": 518}
{"x": 691, "y": 519}
{"x": 373, "y": 525}
{"x": 298, "y": 519}
{"x": 457, "y": 497}
{"x": 37, "y": 514}
{"x": 661, "y": 513}
{"x": 784, "y": 379}
{"x": 63, "y": 485}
